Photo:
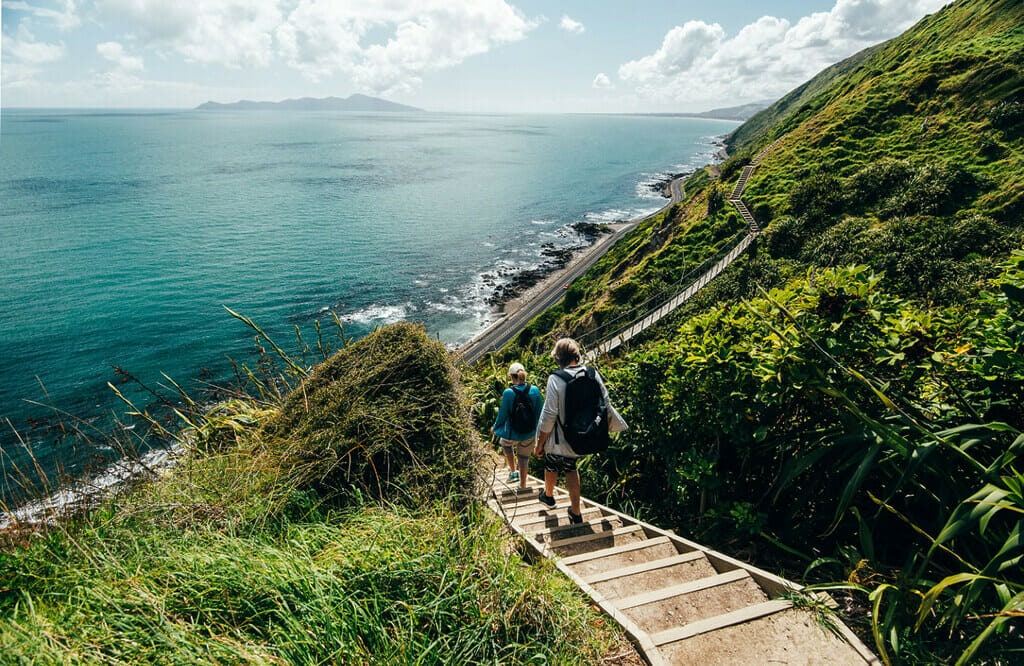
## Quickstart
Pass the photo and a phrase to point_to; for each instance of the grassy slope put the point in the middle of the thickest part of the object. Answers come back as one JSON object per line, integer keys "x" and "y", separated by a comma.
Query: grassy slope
{"x": 263, "y": 547}
{"x": 927, "y": 94}
{"x": 925, "y": 99}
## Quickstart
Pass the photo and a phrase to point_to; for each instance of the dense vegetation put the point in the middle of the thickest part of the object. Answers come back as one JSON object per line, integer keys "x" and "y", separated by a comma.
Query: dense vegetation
{"x": 842, "y": 405}
{"x": 329, "y": 523}
{"x": 844, "y": 402}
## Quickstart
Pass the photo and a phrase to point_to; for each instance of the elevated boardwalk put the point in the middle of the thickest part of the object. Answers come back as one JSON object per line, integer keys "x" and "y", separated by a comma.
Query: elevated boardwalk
{"x": 679, "y": 602}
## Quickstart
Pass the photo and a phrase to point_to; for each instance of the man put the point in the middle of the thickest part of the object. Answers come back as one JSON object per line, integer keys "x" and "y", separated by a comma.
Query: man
{"x": 559, "y": 458}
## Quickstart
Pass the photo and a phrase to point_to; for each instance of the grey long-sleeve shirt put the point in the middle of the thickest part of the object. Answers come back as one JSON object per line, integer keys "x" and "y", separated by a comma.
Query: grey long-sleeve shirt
{"x": 554, "y": 398}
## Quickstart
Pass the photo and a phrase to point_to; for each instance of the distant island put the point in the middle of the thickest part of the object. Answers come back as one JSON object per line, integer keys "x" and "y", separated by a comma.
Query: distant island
{"x": 739, "y": 113}
{"x": 351, "y": 103}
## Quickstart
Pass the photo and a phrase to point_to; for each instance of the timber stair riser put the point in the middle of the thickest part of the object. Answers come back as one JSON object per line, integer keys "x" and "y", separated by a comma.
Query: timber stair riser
{"x": 680, "y": 602}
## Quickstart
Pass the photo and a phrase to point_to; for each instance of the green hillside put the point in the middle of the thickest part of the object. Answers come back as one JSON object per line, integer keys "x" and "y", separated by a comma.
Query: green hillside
{"x": 842, "y": 406}
{"x": 844, "y": 402}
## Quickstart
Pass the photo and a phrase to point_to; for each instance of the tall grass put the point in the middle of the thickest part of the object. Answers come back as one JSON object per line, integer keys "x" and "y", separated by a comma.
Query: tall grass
{"x": 269, "y": 544}
{"x": 370, "y": 585}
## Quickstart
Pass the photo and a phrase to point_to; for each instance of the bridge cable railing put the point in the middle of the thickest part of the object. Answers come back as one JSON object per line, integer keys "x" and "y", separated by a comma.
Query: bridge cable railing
{"x": 663, "y": 296}
{"x": 597, "y": 335}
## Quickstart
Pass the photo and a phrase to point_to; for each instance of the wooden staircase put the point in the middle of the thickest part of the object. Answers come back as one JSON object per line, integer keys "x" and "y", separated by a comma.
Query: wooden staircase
{"x": 679, "y": 602}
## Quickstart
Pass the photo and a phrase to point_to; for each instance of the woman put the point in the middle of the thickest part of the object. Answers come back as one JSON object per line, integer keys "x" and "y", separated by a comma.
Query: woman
{"x": 516, "y": 423}
{"x": 558, "y": 455}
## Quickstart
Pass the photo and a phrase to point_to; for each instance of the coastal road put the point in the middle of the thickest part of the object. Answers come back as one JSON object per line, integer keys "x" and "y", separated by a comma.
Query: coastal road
{"x": 508, "y": 326}
{"x": 676, "y": 188}
{"x": 505, "y": 328}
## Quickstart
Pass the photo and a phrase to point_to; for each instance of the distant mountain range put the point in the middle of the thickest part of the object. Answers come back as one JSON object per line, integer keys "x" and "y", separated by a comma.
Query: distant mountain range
{"x": 350, "y": 103}
{"x": 374, "y": 104}
{"x": 739, "y": 113}
{"x": 742, "y": 112}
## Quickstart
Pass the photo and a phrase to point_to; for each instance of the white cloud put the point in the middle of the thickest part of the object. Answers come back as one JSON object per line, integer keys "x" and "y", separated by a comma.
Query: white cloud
{"x": 570, "y": 25}
{"x": 382, "y": 46}
{"x": 682, "y": 49}
{"x": 25, "y": 49}
{"x": 64, "y": 19}
{"x": 232, "y": 33}
{"x": 387, "y": 47}
{"x": 114, "y": 52}
{"x": 602, "y": 82}
{"x": 696, "y": 64}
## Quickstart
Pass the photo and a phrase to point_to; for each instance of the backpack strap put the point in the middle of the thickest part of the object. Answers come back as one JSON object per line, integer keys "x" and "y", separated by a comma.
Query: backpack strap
{"x": 564, "y": 375}
{"x": 567, "y": 377}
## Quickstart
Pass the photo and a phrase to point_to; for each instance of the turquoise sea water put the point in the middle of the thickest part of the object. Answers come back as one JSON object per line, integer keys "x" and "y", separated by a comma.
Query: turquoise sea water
{"x": 126, "y": 233}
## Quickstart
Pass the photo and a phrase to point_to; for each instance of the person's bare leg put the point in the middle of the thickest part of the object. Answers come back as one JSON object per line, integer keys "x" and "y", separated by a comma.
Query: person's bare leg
{"x": 524, "y": 469}
{"x": 550, "y": 479}
{"x": 510, "y": 459}
{"x": 572, "y": 484}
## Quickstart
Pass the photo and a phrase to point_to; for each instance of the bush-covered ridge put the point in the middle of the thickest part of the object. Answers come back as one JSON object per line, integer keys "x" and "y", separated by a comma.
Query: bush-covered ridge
{"x": 844, "y": 401}
{"x": 385, "y": 417}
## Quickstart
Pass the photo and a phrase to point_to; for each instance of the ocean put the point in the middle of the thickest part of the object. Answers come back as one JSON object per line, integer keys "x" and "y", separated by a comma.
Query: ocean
{"x": 127, "y": 234}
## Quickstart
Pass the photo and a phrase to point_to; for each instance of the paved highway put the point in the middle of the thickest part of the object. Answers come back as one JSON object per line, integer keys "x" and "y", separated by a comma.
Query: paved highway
{"x": 508, "y": 326}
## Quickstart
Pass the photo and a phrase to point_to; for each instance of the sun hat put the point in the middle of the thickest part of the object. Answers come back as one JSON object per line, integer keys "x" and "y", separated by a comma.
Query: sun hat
{"x": 515, "y": 369}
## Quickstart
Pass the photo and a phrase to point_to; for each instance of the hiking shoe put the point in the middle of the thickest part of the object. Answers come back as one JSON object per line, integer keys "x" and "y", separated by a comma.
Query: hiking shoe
{"x": 575, "y": 518}
{"x": 513, "y": 476}
{"x": 545, "y": 499}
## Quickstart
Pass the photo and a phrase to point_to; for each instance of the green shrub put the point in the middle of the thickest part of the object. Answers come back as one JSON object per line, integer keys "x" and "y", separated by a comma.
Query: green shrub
{"x": 385, "y": 416}
{"x": 1008, "y": 116}
{"x": 817, "y": 199}
{"x": 877, "y": 182}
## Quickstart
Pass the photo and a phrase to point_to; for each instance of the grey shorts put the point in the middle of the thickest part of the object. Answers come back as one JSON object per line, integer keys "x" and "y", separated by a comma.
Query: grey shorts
{"x": 559, "y": 464}
{"x": 523, "y": 448}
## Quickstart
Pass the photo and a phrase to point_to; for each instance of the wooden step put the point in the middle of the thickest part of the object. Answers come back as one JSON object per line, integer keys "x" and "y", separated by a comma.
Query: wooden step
{"x": 639, "y": 578}
{"x": 515, "y": 495}
{"x": 587, "y": 543}
{"x": 681, "y": 589}
{"x": 566, "y": 530}
{"x": 535, "y": 521}
{"x": 528, "y": 502}
{"x": 716, "y": 622}
{"x": 759, "y": 636}
{"x": 694, "y": 601}
{"x": 627, "y": 554}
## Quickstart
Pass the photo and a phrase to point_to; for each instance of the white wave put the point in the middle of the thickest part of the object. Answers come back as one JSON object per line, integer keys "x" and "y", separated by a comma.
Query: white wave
{"x": 383, "y": 314}
{"x": 608, "y": 216}
{"x": 50, "y": 509}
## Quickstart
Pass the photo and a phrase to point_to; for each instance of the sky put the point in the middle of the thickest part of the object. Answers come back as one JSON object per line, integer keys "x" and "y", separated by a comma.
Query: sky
{"x": 520, "y": 56}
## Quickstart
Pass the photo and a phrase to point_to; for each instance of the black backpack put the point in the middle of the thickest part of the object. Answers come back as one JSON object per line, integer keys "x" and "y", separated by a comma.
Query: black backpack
{"x": 522, "y": 418}
{"x": 585, "y": 417}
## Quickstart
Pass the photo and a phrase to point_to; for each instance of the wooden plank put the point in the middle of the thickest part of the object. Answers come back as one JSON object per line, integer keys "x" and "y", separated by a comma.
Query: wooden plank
{"x": 644, "y": 567}
{"x": 719, "y": 621}
{"x": 542, "y": 517}
{"x": 605, "y": 523}
{"x": 615, "y": 550}
{"x": 681, "y": 589}
{"x": 595, "y": 536}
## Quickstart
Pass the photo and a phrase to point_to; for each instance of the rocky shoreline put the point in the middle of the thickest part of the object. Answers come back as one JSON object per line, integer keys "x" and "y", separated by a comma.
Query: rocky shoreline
{"x": 511, "y": 284}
